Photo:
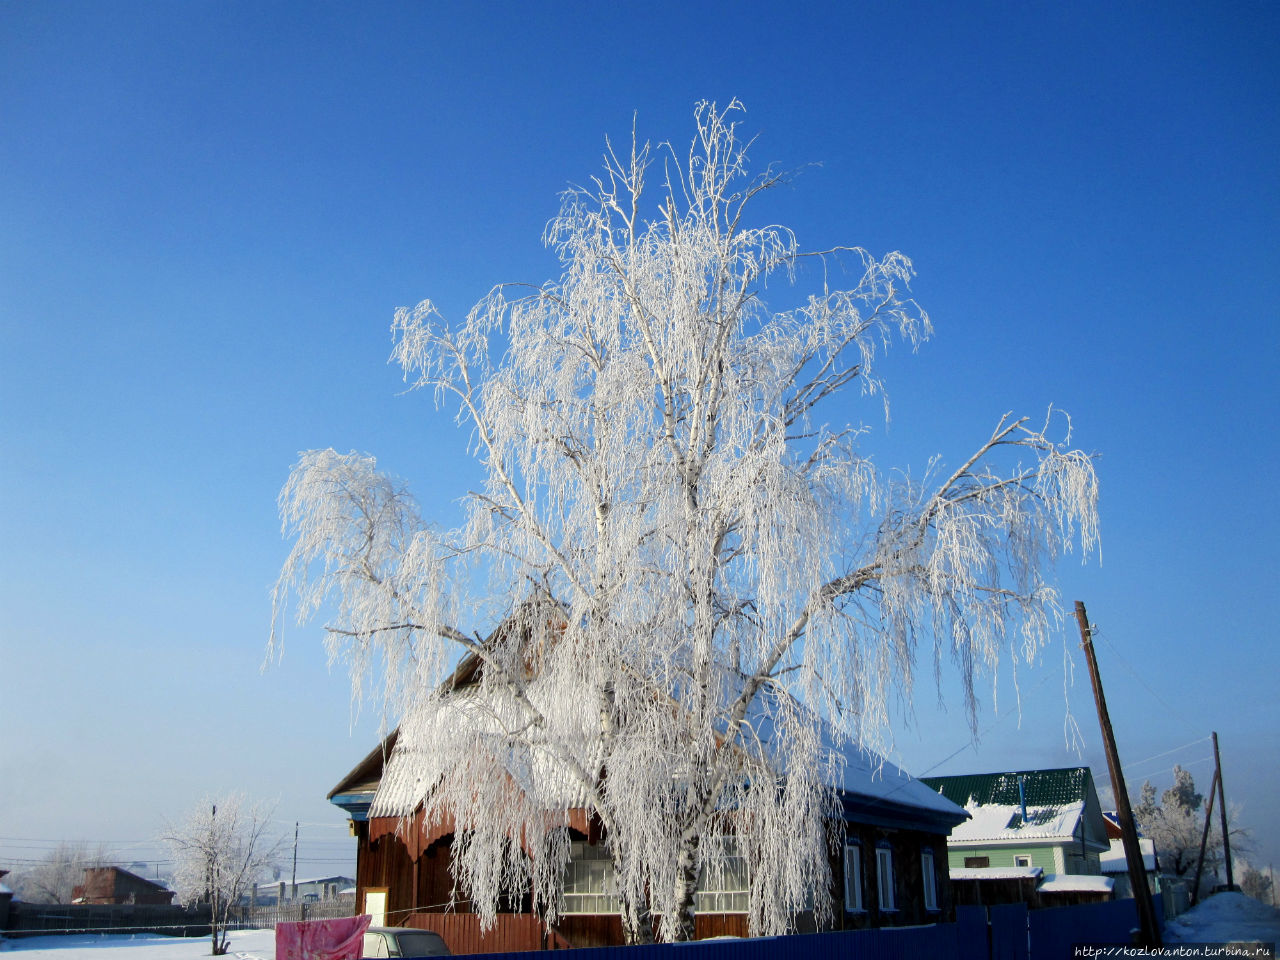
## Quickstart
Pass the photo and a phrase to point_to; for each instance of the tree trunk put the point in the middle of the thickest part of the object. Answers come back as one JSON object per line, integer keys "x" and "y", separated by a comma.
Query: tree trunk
{"x": 637, "y": 924}
{"x": 637, "y": 921}
{"x": 213, "y": 927}
{"x": 686, "y": 887}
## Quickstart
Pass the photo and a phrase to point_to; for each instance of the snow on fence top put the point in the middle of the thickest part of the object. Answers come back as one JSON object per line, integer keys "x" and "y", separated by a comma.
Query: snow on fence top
{"x": 996, "y": 873}
{"x": 1075, "y": 883}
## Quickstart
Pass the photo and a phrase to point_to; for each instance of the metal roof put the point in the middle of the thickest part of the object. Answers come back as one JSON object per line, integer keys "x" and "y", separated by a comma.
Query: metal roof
{"x": 1043, "y": 788}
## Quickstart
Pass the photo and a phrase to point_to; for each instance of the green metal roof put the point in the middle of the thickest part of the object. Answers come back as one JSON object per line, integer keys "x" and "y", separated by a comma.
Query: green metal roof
{"x": 1044, "y": 788}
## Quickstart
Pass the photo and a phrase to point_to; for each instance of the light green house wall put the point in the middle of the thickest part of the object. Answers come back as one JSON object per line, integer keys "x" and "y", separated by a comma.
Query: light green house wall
{"x": 1041, "y": 856}
{"x": 1051, "y": 858}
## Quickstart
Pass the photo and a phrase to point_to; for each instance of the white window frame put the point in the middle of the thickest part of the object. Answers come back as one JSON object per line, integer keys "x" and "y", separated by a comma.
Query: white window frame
{"x": 930, "y": 876}
{"x": 1021, "y": 860}
{"x": 884, "y": 880}
{"x": 853, "y": 877}
{"x": 727, "y": 890}
{"x": 589, "y": 887}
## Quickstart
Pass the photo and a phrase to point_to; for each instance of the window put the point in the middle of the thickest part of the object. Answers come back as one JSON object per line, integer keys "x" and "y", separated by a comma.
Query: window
{"x": 418, "y": 943}
{"x": 727, "y": 889}
{"x": 1022, "y": 861}
{"x": 375, "y": 904}
{"x": 884, "y": 878}
{"x": 853, "y": 878}
{"x": 977, "y": 861}
{"x": 588, "y": 881}
{"x": 930, "y": 880}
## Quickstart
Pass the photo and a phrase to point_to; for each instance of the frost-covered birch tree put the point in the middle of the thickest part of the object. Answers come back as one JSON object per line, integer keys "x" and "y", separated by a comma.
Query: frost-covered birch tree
{"x": 219, "y": 851}
{"x": 711, "y": 591}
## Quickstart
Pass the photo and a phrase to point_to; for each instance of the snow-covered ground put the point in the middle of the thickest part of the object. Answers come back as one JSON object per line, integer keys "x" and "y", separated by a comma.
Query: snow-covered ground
{"x": 245, "y": 945}
{"x": 1223, "y": 918}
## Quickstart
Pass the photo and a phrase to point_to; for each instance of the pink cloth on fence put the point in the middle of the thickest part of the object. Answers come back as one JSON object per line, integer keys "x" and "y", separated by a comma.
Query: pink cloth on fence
{"x": 341, "y": 939}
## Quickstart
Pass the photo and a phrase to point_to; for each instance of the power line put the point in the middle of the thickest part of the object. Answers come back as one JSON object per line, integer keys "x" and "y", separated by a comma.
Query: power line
{"x": 1166, "y": 753}
{"x": 1134, "y": 673}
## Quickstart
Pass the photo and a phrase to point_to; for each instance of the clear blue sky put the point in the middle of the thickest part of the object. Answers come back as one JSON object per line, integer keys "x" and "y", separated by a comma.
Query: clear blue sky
{"x": 209, "y": 211}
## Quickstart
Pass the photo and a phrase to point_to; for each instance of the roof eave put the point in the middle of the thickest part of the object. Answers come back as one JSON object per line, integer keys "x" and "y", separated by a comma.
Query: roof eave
{"x": 1040, "y": 841}
{"x": 887, "y": 813}
{"x": 373, "y": 762}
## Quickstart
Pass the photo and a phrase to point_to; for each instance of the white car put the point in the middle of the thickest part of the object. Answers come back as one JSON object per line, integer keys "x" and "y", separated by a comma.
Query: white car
{"x": 403, "y": 942}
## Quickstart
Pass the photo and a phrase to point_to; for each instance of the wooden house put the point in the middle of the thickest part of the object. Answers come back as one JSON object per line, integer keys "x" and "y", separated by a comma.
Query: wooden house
{"x": 117, "y": 885}
{"x": 1049, "y": 819}
{"x": 891, "y": 869}
{"x": 1033, "y": 836}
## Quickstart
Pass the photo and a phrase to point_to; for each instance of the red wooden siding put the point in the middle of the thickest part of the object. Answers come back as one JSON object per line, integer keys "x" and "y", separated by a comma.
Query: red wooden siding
{"x": 461, "y": 931}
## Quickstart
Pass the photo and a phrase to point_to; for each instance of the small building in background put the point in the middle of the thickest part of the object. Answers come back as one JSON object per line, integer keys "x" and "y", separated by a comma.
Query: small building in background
{"x": 118, "y": 885}
{"x": 1033, "y": 837}
{"x": 984, "y": 886}
{"x": 1049, "y": 819}
{"x": 267, "y": 893}
{"x": 6, "y": 896}
{"x": 1069, "y": 889}
{"x": 1116, "y": 865}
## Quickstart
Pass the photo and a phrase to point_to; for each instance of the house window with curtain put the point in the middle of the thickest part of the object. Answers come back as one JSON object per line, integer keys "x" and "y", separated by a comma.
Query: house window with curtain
{"x": 853, "y": 877}
{"x": 884, "y": 878}
{"x": 930, "y": 878}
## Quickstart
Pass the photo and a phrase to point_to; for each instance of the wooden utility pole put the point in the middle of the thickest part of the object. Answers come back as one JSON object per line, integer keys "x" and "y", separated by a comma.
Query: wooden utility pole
{"x": 1222, "y": 812}
{"x": 1128, "y": 831}
{"x": 1204, "y": 838}
{"x": 293, "y": 893}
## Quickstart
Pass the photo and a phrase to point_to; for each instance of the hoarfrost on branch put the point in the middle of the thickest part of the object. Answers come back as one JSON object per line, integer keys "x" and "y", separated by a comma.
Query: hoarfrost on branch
{"x": 709, "y": 592}
{"x": 219, "y": 852}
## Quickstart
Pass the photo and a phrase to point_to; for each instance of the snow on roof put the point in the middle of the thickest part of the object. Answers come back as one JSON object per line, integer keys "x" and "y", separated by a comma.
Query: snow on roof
{"x": 1113, "y": 861}
{"x": 433, "y": 739}
{"x": 1075, "y": 883}
{"x": 871, "y": 775}
{"x": 999, "y": 822}
{"x": 4, "y": 889}
{"x": 331, "y": 878}
{"x": 996, "y": 873}
{"x": 865, "y": 772}
{"x": 413, "y": 768}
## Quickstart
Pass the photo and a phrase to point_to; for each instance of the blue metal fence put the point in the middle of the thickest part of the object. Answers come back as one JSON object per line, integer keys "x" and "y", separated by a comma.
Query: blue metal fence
{"x": 1003, "y": 932}
{"x": 1009, "y": 932}
{"x": 1053, "y": 931}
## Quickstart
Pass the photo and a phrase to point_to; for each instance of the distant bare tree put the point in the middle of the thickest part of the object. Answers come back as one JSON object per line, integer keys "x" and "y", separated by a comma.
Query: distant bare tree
{"x": 1256, "y": 884}
{"x": 53, "y": 879}
{"x": 218, "y": 851}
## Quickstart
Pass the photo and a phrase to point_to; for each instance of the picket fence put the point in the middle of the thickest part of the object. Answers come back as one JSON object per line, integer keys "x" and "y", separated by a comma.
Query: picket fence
{"x": 251, "y": 918}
